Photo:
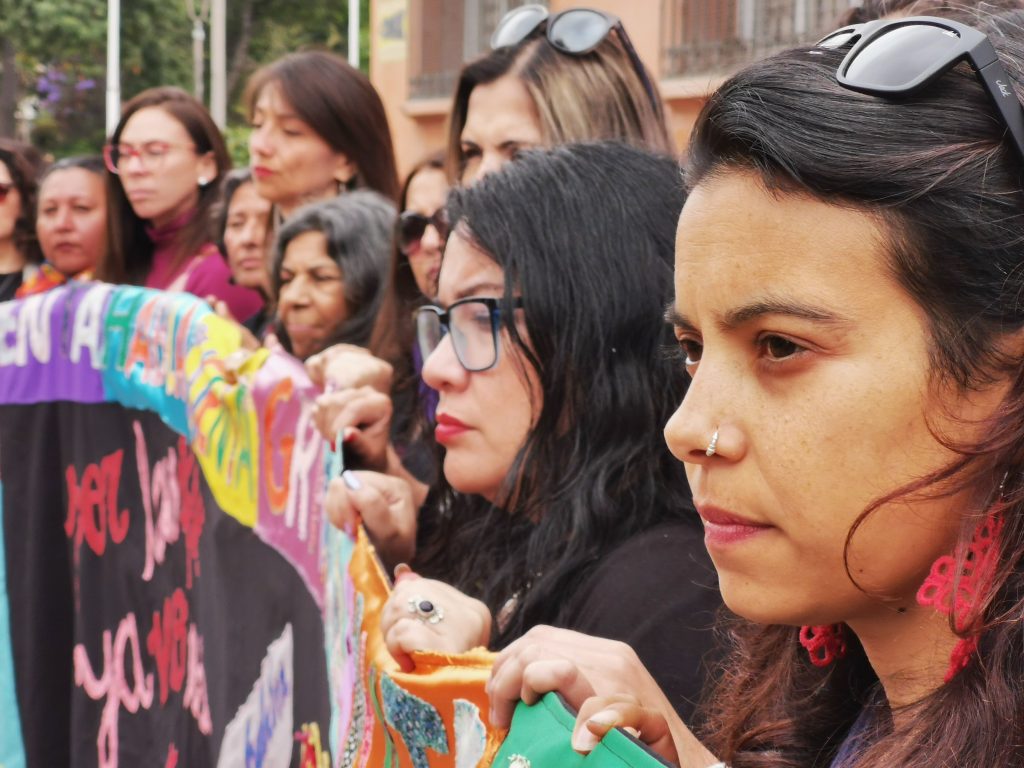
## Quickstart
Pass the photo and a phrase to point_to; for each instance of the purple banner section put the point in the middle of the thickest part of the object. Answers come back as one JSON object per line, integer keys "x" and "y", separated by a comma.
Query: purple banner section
{"x": 51, "y": 345}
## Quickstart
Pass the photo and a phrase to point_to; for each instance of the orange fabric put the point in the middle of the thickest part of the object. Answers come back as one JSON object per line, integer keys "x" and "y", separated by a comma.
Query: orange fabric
{"x": 438, "y": 679}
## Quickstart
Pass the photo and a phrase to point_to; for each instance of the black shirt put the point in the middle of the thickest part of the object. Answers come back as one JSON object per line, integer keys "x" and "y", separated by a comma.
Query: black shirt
{"x": 657, "y": 592}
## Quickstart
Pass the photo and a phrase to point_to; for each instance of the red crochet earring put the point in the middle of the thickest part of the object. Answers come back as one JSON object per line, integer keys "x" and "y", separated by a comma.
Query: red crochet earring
{"x": 949, "y": 592}
{"x": 825, "y": 644}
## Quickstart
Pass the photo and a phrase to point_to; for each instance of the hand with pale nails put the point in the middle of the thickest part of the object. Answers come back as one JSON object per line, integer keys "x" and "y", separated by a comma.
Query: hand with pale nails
{"x": 603, "y": 679}
{"x": 466, "y": 623}
{"x": 346, "y": 366}
{"x": 385, "y": 506}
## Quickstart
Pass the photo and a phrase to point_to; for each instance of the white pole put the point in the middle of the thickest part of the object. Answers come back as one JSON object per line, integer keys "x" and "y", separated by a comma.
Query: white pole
{"x": 353, "y": 33}
{"x": 218, "y": 64}
{"x": 113, "y": 64}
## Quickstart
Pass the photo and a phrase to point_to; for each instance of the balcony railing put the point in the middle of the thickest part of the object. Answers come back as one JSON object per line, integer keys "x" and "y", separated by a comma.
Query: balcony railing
{"x": 705, "y": 37}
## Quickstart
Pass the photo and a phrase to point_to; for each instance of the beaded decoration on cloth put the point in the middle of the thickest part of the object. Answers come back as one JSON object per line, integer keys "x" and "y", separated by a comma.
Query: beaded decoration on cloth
{"x": 825, "y": 644}
{"x": 949, "y": 592}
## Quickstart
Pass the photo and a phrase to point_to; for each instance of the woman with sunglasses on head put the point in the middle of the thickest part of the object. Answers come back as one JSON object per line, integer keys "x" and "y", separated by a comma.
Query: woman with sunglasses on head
{"x": 549, "y": 80}
{"x": 318, "y": 130}
{"x": 71, "y": 222}
{"x": 849, "y": 311}
{"x": 20, "y": 164}
{"x": 557, "y": 506}
{"x": 164, "y": 161}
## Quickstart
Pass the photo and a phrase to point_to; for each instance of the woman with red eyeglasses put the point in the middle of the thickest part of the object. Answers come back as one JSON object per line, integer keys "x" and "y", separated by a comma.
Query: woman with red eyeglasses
{"x": 20, "y": 165}
{"x": 164, "y": 161}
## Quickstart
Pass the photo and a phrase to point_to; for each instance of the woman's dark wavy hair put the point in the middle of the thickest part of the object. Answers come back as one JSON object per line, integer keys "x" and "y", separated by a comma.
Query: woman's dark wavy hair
{"x": 358, "y": 229}
{"x": 939, "y": 173}
{"x": 24, "y": 163}
{"x": 129, "y": 256}
{"x": 585, "y": 235}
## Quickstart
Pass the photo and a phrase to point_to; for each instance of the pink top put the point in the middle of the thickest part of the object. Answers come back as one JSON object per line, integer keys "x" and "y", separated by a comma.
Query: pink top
{"x": 205, "y": 274}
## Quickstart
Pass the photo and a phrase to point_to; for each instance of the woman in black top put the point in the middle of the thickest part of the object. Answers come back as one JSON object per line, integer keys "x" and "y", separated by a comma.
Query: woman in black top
{"x": 557, "y": 506}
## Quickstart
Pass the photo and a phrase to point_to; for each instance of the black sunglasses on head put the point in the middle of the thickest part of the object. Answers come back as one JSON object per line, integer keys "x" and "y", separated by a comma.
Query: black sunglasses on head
{"x": 576, "y": 31}
{"x": 902, "y": 56}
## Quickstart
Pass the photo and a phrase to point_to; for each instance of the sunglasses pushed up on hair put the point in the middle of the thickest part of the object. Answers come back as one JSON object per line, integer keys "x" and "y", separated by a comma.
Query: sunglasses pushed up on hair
{"x": 900, "y": 57}
{"x": 576, "y": 31}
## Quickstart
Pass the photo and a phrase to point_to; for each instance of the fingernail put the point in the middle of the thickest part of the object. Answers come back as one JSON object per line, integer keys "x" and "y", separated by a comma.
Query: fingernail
{"x": 351, "y": 481}
{"x": 349, "y": 434}
{"x": 606, "y": 718}
{"x": 334, "y": 447}
{"x": 401, "y": 569}
{"x": 583, "y": 740}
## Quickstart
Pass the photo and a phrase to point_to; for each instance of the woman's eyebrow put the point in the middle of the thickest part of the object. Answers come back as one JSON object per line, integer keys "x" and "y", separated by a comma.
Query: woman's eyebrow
{"x": 474, "y": 288}
{"x": 738, "y": 316}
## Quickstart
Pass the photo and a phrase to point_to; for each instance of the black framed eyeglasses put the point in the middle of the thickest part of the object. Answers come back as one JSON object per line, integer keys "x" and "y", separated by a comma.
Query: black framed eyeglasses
{"x": 473, "y": 324}
{"x": 412, "y": 225}
{"x": 576, "y": 31}
{"x": 902, "y": 56}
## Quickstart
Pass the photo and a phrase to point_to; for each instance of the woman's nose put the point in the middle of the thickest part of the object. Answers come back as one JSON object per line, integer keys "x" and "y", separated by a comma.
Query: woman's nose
{"x": 442, "y": 369}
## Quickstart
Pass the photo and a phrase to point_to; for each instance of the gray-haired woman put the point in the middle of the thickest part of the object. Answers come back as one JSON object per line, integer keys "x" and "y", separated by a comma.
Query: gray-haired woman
{"x": 331, "y": 262}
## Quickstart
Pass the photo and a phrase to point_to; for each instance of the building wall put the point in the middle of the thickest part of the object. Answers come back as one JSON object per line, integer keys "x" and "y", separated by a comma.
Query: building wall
{"x": 418, "y": 125}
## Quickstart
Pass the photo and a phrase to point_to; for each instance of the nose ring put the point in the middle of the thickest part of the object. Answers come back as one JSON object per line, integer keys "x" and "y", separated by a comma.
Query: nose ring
{"x": 713, "y": 445}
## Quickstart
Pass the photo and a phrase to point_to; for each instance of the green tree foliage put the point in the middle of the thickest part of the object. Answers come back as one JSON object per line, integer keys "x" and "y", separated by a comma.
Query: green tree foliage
{"x": 53, "y": 56}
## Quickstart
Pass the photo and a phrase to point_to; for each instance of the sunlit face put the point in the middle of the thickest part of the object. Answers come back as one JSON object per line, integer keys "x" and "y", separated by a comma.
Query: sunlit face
{"x": 162, "y": 189}
{"x": 812, "y": 363}
{"x": 312, "y": 303}
{"x": 291, "y": 163}
{"x": 426, "y": 194}
{"x": 484, "y": 417}
{"x": 245, "y": 237}
{"x": 501, "y": 120}
{"x": 10, "y": 206}
{"x": 72, "y": 220}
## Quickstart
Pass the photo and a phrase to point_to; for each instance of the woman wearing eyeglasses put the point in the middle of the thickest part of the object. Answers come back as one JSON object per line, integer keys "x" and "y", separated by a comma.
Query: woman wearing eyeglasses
{"x": 848, "y": 303}
{"x": 20, "y": 164}
{"x": 546, "y": 348}
{"x": 164, "y": 161}
{"x": 549, "y": 80}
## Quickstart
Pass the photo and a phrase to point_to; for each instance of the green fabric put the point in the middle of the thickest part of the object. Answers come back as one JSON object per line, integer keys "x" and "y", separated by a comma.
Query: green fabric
{"x": 542, "y": 735}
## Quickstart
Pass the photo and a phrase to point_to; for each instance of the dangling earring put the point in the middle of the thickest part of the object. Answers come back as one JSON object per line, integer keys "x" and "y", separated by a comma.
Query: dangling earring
{"x": 949, "y": 592}
{"x": 824, "y": 643}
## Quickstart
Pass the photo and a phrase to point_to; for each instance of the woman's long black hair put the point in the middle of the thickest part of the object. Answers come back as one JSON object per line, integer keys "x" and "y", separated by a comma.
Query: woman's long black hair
{"x": 585, "y": 234}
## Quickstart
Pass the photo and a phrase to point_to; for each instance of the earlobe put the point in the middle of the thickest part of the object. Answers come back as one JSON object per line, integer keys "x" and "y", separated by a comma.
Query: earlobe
{"x": 206, "y": 170}
{"x": 345, "y": 170}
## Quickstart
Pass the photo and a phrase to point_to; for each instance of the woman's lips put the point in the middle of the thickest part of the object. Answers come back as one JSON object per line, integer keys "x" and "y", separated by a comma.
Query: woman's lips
{"x": 448, "y": 428}
{"x": 261, "y": 173}
{"x": 722, "y": 528}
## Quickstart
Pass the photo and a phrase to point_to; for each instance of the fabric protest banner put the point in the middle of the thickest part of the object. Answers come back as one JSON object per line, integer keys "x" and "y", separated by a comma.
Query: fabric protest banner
{"x": 169, "y": 591}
